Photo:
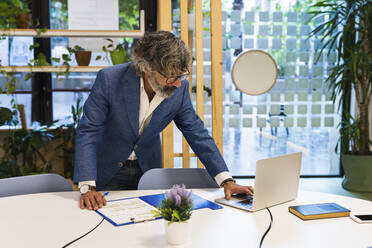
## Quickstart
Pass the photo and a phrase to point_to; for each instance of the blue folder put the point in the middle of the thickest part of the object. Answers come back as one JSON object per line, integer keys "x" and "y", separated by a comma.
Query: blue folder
{"x": 154, "y": 200}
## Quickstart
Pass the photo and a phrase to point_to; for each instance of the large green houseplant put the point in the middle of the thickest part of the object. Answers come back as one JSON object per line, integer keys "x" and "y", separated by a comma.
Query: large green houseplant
{"x": 347, "y": 30}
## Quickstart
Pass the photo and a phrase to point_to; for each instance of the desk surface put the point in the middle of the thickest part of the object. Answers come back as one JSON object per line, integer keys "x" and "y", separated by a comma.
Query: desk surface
{"x": 54, "y": 219}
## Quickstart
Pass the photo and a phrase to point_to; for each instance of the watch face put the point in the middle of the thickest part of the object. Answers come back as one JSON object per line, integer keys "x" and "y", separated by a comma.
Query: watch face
{"x": 84, "y": 189}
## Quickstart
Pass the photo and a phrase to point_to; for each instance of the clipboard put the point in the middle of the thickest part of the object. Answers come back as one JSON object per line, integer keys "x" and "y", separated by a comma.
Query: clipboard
{"x": 146, "y": 202}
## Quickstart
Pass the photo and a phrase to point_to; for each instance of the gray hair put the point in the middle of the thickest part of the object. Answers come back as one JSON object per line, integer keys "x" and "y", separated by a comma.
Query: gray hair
{"x": 161, "y": 51}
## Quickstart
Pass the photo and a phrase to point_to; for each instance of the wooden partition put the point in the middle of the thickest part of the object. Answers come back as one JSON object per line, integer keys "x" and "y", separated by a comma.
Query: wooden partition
{"x": 165, "y": 23}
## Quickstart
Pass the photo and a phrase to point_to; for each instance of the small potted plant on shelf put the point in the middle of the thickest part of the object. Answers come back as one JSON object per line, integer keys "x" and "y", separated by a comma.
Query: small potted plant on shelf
{"x": 14, "y": 13}
{"x": 118, "y": 54}
{"x": 176, "y": 210}
{"x": 82, "y": 56}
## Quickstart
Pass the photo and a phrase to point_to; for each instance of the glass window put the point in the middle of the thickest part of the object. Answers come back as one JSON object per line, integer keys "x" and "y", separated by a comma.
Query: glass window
{"x": 296, "y": 115}
{"x": 77, "y": 85}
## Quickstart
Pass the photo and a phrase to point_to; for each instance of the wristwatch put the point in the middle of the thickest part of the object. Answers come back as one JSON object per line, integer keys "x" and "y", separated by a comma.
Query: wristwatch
{"x": 85, "y": 188}
{"x": 227, "y": 180}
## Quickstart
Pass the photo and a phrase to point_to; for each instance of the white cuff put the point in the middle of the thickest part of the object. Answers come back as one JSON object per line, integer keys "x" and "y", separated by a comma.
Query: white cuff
{"x": 222, "y": 177}
{"x": 91, "y": 183}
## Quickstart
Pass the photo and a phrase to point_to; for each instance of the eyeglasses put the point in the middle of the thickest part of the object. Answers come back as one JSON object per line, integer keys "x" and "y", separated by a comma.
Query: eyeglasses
{"x": 174, "y": 79}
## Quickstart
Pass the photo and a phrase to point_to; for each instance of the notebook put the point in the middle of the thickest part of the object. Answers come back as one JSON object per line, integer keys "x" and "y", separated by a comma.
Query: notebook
{"x": 319, "y": 211}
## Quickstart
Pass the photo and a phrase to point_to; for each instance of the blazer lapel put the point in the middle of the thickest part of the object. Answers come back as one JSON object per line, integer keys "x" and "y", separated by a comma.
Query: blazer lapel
{"x": 160, "y": 114}
{"x": 132, "y": 97}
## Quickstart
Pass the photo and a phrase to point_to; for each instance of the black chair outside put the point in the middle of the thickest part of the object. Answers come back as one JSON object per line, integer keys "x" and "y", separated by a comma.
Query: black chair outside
{"x": 282, "y": 115}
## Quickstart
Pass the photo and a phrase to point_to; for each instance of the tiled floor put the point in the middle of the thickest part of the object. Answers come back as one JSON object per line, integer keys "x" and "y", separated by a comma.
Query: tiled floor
{"x": 243, "y": 147}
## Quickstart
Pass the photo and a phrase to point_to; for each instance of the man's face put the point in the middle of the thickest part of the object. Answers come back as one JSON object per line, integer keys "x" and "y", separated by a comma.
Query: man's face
{"x": 165, "y": 86}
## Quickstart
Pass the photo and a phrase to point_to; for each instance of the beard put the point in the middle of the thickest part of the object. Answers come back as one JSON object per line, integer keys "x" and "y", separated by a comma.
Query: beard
{"x": 165, "y": 91}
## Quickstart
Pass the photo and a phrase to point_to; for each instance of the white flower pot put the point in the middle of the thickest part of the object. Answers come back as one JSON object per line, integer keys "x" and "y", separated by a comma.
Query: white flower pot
{"x": 177, "y": 232}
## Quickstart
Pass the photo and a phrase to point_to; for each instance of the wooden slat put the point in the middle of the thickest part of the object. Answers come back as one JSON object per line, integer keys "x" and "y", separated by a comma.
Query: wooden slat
{"x": 216, "y": 56}
{"x": 164, "y": 18}
{"x": 199, "y": 62}
{"x": 185, "y": 37}
{"x": 164, "y": 22}
{"x": 50, "y": 68}
{"x": 181, "y": 155}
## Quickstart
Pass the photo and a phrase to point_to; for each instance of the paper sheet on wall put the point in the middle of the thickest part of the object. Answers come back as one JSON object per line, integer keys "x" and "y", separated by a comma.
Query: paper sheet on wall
{"x": 20, "y": 53}
{"x": 4, "y": 48}
{"x": 123, "y": 211}
{"x": 92, "y": 15}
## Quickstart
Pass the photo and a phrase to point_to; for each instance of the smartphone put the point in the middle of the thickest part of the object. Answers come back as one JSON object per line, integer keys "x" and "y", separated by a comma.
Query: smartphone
{"x": 363, "y": 218}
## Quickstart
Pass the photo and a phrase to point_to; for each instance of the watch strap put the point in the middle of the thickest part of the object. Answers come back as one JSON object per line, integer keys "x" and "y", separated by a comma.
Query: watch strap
{"x": 90, "y": 188}
{"x": 227, "y": 180}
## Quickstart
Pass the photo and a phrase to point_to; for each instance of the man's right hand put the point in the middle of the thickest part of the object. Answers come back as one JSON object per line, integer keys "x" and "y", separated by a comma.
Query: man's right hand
{"x": 92, "y": 200}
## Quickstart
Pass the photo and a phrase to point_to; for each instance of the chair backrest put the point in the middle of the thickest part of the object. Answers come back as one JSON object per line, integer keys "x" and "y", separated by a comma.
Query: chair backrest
{"x": 165, "y": 178}
{"x": 33, "y": 184}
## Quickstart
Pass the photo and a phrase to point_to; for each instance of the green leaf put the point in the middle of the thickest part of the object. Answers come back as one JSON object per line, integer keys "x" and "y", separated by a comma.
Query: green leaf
{"x": 175, "y": 215}
{"x": 28, "y": 76}
{"x": 65, "y": 56}
{"x": 78, "y": 48}
{"x": 56, "y": 59}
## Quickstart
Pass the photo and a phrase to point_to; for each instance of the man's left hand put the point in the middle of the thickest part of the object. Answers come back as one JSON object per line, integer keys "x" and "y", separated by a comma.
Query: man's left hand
{"x": 231, "y": 188}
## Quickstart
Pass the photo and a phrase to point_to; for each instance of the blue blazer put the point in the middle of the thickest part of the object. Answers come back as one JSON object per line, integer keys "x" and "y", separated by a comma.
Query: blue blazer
{"x": 108, "y": 130}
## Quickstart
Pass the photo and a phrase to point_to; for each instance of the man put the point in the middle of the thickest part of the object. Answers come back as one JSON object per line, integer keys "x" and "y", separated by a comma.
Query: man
{"x": 118, "y": 137}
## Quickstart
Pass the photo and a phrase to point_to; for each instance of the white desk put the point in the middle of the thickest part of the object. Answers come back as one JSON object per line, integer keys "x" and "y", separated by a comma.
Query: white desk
{"x": 54, "y": 219}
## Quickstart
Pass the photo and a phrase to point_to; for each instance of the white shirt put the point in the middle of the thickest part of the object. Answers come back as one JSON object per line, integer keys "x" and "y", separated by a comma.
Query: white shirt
{"x": 145, "y": 114}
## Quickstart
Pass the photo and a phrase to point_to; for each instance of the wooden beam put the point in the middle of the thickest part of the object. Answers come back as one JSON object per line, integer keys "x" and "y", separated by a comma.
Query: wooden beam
{"x": 181, "y": 155}
{"x": 199, "y": 62}
{"x": 216, "y": 55}
{"x": 164, "y": 22}
{"x": 185, "y": 38}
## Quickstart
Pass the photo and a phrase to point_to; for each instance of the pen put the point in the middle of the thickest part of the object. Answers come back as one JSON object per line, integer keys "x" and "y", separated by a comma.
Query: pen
{"x": 105, "y": 194}
{"x": 134, "y": 220}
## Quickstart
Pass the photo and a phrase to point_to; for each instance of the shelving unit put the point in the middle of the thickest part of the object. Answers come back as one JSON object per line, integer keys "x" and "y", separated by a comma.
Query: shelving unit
{"x": 75, "y": 33}
{"x": 51, "y": 68}
{"x": 71, "y": 33}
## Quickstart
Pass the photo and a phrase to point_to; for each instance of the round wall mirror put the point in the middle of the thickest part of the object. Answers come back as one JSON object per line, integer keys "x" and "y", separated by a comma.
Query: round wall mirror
{"x": 254, "y": 72}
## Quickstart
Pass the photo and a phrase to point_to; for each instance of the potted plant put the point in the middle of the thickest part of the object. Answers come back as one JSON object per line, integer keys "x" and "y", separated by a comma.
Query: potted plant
{"x": 22, "y": 149}
{"x": 14, "y": 13}
{"x": 118, "y": 54}
{"x": 82, "y": 56}
{"x": 348, "y": 30}
{"x": 176, "y": 210}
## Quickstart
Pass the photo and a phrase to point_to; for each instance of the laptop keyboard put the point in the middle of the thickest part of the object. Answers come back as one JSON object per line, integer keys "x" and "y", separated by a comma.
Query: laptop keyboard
{"x": 246, "y": 203}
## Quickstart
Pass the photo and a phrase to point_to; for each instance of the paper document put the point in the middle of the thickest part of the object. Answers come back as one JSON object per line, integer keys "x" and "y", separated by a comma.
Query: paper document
{"x": 92, "y": 15}
{"x": 127, "y": 210}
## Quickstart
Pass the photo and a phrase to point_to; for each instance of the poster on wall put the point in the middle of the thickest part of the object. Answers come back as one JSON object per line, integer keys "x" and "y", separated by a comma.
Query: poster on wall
{"x": 20, "y": 53}
{"x": 93, "y": 15}
{"x": 4, "y": 48}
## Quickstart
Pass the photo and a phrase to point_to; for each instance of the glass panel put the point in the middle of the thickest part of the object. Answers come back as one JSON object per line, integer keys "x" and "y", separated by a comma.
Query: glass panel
{"x": 62, "y": 101}
{"x": 304, "y": 118}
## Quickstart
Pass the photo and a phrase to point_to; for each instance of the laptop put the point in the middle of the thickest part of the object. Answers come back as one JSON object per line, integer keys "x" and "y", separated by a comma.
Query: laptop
{"x": 276, "y": 182}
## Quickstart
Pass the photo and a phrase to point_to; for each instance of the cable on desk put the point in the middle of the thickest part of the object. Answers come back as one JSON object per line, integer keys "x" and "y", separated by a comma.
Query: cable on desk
{"x": 83, "y": 235}
{"x": 268, "y": 229}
